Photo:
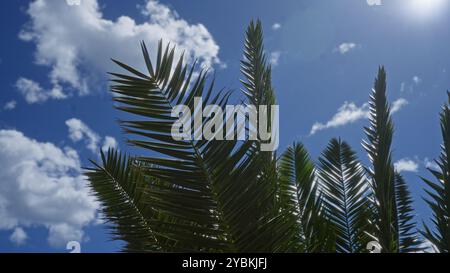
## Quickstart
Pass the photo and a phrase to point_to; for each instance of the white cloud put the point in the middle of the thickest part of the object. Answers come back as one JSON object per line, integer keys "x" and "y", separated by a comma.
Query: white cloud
{"x": 42, "y": 185}
{"x": 417, "y": 79}
{"x": 109, "y": 142}
{"x": 10, "y": 105}
{"x": 374, "y": 2}
{"x": 349, "y": 113}
{"x": 274, "y": 58}
{"x": 398, "y": 104}
{"x": 34, "y": 93}
{"x": 78, "y": 130}
{"x": 77, "y": 42}
{"x": 406, "y": 165}
{"x": 19, "y": 236}
{"x": 276, "y": 26}
{"x": 344, "y": 48}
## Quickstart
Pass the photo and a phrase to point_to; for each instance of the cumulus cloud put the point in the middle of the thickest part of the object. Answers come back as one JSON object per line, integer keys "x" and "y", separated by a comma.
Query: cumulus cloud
{"x": 42, "y": 185}
{"x": 274, "y": 58}
{"x": 344, "y": 48}
{"x": 79, "y": 131}
{"x": 19, "y": 236}
{"x": 374, "y": 2}
{"x": 77, "y": 42}
{"x": 276, "y": 26}
{"x": 10, "y": 105}
{"x": 406, "y": 165}
{"x": 349, "y": 112}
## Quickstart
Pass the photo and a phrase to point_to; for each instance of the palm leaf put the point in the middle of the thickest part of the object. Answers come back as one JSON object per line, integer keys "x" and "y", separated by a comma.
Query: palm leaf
{"x": 211, "y": 195}
{"x": 439, "y": 195}
{"x": 391, "y": 215}
{"x": 344, "y": 188}
{"x": 299, "y": 198}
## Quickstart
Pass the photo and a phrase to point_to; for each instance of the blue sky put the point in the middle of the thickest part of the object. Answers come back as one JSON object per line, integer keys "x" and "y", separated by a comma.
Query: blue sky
{"x": 55, "y": 108}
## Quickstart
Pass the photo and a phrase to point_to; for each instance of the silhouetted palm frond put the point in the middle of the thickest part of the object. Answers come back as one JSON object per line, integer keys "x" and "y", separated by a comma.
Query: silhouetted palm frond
{"x": 344, "y": 188}
{"x": 439, "y": 195}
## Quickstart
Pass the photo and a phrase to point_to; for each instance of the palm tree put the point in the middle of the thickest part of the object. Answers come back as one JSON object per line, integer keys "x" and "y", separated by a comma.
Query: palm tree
{"x": 439, "y": 196}
{"x": 186, "y": 195}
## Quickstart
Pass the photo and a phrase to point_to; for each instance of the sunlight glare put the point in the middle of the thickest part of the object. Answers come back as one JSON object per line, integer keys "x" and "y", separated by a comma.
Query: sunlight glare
{"x": 426, "y": 8}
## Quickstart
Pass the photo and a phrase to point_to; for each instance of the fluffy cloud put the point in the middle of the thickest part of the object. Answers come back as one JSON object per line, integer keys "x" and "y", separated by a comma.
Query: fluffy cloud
{"x": 78, "y": 131}
{"x": 76, "y": 42}
{"x": 109, "y": 142}
{"x": 374, "y": 2}
{"x": 349, "y": 112}
{"x": 34, "y": 93}
{"x": 344, "y": 48}
{"x": 19, "y": 236}
{"x": 406, "y": 165}
{"x": 42, "y": 185}
{"x": 398, "y": 104}
{"x": 10, "y": 105}
{"x": 274, "y": 58}
{"x": 276, "y": 26}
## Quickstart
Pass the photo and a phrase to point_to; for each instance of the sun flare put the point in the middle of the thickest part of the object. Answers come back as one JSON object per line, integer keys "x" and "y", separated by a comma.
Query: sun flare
{"x": 426, "y": 8}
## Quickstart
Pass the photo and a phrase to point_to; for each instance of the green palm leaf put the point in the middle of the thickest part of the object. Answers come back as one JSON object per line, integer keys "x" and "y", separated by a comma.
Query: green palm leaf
{"x": 391, "y": 204}
{"x": 344, "y": 188}
{"x": 299, "y": 198}
{"x": 211, "y": 195}
{"x": 439, "y": 195}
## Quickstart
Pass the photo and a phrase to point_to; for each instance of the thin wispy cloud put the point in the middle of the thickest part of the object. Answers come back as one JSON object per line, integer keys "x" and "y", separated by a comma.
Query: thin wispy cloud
{"x": 10, "y": 105}
{"x": 417, "y": 79}
{"x": 274, "y": 58}
{"x": 349, "y": 113}
{"x": 79, "y": 131}
{"x": 374, "y": 2}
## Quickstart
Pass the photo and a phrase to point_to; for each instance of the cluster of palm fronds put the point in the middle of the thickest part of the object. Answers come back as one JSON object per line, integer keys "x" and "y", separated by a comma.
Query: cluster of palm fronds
{"x": 229, "y": 196}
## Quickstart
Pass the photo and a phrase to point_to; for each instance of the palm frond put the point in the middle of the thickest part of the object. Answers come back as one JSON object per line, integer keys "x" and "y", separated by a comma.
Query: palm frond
{"x": 408, "y": 237}
{"x": 439, "y": 195}
{"x": 344, "y": 188}
{"x": 212, "y": 195}
{"x": 119, "y": 186}
{"x": 298, "y": 196}
{"x": 388, "y": 216}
